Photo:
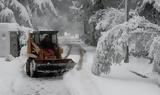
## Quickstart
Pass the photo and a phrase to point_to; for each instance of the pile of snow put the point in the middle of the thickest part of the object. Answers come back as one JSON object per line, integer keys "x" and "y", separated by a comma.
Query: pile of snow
{"x": 138, "y": 33}
{"x": 11, "y": 76}
{"x": 156, "y": 3}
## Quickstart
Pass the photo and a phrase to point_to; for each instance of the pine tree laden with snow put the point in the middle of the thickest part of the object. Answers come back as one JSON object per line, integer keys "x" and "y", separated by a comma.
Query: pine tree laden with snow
{"x": 20, "y": 12}
{"x": 24, "y": 11}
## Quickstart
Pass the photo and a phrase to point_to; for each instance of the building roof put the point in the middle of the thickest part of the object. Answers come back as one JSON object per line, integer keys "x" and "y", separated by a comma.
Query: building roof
{"x": 5, "y": 27}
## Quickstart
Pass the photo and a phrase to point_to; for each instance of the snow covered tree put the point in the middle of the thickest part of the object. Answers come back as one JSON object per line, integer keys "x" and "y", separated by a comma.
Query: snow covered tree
{"x": 107, "y": 18}
{"x": 103, "y": 20}
{"x": 150, "y": 9}
{"x": 23, "y": 11}
{"x": 14, "y": 11}
{"x": 155, "y": 54}
{"x": 20, "y": 12}
{"x": 6, "y": 14}
{"x": 138, "y": 33}
{"x": 91, "y": 34}
{"x": 42, "y": 7}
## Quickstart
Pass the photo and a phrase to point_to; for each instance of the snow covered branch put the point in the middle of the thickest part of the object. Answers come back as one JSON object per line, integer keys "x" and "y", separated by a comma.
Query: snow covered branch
{"x": 7, "y": 15}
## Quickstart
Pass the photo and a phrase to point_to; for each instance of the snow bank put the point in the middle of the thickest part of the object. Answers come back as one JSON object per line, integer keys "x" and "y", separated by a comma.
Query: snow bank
{"x": 11, "y": 77}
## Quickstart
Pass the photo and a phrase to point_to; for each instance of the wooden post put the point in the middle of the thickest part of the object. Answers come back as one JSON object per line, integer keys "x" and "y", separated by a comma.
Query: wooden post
{"x": 126, "y": 60}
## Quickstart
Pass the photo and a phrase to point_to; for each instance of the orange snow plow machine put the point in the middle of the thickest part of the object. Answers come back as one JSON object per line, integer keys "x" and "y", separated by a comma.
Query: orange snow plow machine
{"x": 44, "y": 55}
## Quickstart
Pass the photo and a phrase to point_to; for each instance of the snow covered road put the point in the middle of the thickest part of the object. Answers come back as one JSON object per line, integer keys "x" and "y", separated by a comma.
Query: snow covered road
{"x": 14, "y": 81}
{"x": 42, "y": 86}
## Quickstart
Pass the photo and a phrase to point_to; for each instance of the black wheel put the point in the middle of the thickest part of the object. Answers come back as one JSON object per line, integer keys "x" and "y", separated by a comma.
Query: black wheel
{"x": 28, "y": 66}
{"x": 33, "y": 70}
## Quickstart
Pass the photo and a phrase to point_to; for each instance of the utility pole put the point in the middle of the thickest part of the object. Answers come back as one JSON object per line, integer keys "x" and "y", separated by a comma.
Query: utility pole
{"x": 127, "y": 9}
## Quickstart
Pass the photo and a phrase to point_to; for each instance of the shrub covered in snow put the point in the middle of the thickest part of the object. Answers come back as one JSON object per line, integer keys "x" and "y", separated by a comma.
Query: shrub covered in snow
{"x": 138, "y": 33}
{"x": 155, "y": 54}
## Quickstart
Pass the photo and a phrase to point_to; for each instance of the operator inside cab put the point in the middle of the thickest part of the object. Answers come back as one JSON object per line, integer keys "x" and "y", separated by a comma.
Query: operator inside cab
{"x": 46, "y": 42}
{"x": 48, "y": 46}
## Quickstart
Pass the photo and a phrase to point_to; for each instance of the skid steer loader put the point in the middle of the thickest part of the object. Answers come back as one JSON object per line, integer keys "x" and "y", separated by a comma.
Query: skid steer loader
{"x": 44, "y": 55}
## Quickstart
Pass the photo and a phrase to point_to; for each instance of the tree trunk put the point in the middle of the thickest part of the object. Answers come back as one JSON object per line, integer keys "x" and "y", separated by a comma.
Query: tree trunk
{"x": 126, "y": 60}
{"x": 127, "y": 2}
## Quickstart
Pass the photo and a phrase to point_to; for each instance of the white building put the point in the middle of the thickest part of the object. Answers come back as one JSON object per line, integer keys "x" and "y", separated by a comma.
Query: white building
{"x": 9, "y": 39}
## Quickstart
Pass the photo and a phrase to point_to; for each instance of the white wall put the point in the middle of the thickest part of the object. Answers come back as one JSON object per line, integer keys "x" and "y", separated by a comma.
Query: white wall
{"x": 4, "y": 43}
{"x": 5, "y": 29}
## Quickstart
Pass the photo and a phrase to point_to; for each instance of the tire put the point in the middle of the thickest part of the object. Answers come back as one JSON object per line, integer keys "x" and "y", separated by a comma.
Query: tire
{"x": 32, "y": 67}
{"x": 28, "y": 66}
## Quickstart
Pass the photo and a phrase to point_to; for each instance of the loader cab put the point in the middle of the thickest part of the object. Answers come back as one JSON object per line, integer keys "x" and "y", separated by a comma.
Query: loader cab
{"x": 45, "y": 39}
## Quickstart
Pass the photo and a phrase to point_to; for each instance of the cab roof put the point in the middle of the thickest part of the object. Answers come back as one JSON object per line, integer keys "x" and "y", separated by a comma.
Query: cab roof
{"x": 46, "y": 32}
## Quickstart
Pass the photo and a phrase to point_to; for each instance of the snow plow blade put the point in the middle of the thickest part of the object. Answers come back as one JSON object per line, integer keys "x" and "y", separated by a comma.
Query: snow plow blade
{"x": 54, "y": 67}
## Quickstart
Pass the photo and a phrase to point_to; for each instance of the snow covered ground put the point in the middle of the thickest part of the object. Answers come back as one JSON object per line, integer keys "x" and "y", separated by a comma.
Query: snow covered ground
{"x": 120, "y": 81}
{"x": 14, "y": 81}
